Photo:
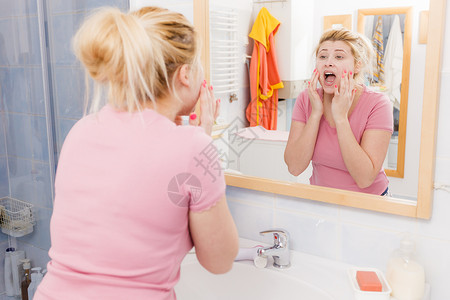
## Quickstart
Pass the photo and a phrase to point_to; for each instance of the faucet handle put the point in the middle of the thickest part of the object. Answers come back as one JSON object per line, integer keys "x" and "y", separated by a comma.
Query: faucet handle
{"x": 280, "y": 236}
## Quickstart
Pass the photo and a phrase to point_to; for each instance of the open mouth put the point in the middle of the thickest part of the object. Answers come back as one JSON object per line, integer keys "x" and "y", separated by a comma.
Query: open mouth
{"x": 329, "y": 78}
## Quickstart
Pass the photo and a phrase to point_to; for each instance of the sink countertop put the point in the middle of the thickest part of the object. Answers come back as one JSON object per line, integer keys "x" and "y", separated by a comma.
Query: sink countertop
{"x": 328, "y": 275}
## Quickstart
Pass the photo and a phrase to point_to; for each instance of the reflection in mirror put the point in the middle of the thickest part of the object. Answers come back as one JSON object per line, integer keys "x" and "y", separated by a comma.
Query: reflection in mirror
{"x": 423, "y": 88}
{"x": 390, "y": 31}
{"x": 339, "y": 124}
{"x": 267, "y": 146}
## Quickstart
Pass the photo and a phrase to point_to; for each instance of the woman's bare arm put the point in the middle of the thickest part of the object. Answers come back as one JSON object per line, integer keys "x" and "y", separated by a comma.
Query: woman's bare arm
{"x": 215, "y": 237}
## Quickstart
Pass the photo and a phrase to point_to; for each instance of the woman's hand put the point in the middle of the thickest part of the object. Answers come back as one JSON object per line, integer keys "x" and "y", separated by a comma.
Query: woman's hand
{"x": 314, "y": 98}
{"x": 209, "y": 109}
{"x": 343, "y": 97}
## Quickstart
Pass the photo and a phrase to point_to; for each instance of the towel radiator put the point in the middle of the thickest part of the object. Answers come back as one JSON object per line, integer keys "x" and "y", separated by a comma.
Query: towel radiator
{"x": 226, "y": 57}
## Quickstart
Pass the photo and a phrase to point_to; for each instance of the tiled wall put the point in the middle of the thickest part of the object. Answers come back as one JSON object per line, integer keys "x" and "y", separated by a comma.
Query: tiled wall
{"x": 64, "y": 18}
{"x": 24, "y": 159}
{"x": 355, "y": 236}
{"x": 4, "y": 181}
{"x": 25, "y": 169}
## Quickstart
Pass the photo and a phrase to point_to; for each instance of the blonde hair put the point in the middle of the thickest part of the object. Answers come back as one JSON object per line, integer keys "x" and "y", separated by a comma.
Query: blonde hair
{"x": 361, "y": 47}
{"x": 135, "y": 56}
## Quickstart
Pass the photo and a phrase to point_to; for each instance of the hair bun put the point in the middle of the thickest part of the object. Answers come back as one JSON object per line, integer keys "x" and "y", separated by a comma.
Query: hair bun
{"x": 98, "y": 44}
{"x": 136, "y": 53}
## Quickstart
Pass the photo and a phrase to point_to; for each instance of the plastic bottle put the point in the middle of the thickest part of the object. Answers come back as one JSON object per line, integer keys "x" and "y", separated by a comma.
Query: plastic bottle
{"x": 184, "y": 120}
{"x": 404, "y": 274}
{"x": 26, "y": 278}
{"x": 36, "y": 278}
{"x": 8, "y": 273}
{"x": 16, "y": 266}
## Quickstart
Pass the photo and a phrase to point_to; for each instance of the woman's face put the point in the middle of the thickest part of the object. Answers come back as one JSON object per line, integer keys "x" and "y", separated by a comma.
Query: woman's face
{"x": 191, "y": 94}
{"x": 333, "y": 58}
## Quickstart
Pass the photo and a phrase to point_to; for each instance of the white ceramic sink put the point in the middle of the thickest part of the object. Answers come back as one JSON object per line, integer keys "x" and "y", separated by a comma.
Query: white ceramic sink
{"x": 308, "y": 278}
{"x": 244, "y": 281}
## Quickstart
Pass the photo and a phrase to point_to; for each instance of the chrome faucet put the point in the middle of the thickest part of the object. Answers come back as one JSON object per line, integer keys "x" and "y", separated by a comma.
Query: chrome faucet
{"x": 280, "y": 249}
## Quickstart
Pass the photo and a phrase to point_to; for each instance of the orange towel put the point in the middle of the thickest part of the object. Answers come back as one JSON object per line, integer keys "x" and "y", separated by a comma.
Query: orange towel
{"x": 264, "y": 77}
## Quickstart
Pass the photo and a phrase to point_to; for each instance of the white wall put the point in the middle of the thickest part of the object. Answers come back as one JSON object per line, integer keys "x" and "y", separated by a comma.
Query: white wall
{"x": 294, "y": 38}
{"x": 355, "y": 236}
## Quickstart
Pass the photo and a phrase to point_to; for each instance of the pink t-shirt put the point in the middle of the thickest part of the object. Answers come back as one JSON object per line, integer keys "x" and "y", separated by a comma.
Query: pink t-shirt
{"x": 124, "y": 187}
{"x": 373, "y": 111}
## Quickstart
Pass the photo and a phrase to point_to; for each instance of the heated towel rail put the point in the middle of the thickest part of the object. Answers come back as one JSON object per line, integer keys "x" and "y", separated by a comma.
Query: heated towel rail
{"x": 226, "y": 59}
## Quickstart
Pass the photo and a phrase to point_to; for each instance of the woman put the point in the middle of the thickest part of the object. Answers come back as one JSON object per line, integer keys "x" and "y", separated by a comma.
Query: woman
{"x": 343, "y": 127}
{"x": 134, "y": 191}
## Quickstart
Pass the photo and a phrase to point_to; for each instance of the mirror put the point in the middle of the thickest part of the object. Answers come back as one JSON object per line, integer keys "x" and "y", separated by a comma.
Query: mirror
{"x": 393, "y": 25}
{"x": 248, "y": 162}
{"x": 420, "y": 208}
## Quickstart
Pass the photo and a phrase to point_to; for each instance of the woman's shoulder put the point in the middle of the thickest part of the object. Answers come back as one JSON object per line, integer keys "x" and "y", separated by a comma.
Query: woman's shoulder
{"x": 195, "y": 132}
{"x": 374, "y": 98}
{"x": 303, "y": 93}
{"x": 193, "y": 137}
{"x": 303, "y": 97}
{"x": 374, "y": 95}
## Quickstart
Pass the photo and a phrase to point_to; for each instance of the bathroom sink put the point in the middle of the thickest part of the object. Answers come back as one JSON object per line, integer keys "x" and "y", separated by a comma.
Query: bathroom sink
{"x": 308, "y": 278}
{"x": 244, "y": 281}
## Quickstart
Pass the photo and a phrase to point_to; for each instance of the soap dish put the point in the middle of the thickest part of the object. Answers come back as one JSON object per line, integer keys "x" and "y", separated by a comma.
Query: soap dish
{"x": 365, "y": 295}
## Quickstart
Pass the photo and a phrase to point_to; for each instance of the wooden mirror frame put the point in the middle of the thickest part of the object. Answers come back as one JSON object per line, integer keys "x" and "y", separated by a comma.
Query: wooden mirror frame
{"x": 420, "y": 209}
{"x": 407, "y": 11}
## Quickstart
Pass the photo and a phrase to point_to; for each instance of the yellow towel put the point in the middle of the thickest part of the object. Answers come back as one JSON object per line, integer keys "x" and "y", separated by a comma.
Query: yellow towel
{"x": 264, "y": 25}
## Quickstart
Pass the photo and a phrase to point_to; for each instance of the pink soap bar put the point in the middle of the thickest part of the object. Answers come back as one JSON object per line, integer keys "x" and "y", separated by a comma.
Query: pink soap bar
{"x": 368, "y": 281}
